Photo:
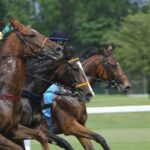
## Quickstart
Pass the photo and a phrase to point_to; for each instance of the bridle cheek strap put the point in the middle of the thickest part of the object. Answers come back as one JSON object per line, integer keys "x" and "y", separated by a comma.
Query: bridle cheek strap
{"x": 43, "y": 44}
{"x": 21, "y": 32}
{"x": 82, "y": 84}
{"x": 11, "y": 98}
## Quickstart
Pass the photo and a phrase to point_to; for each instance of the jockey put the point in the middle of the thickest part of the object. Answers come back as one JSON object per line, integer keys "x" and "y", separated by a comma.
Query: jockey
{"x": 6, "y": 30}
{"x": 59, "y": 37}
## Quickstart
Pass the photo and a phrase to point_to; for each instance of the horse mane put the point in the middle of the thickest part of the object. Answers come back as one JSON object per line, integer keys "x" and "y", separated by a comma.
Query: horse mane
{"x": 88, "y": 52}
{"x": 69, "y": 52}
{"x": 91, "y": 51}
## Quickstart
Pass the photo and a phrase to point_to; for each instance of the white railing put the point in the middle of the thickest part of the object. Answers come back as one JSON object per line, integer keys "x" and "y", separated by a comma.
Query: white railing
{"x": 118, "y": 109}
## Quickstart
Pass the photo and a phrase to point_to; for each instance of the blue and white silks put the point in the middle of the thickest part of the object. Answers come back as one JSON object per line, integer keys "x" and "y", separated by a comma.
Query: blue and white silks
{"x": 48, "y": 99}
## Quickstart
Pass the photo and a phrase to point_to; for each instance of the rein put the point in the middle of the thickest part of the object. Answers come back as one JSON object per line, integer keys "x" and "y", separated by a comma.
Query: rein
{"x": 47, "y": 81}
{"x": 78, "y": 85}
{"x": 8, "y": 97}
{"x": 26, "y": 43}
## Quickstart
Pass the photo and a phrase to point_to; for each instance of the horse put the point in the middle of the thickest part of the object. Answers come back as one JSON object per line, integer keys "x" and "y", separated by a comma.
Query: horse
{"x": 112, "y": 73}
{"x": 20, "y": 43}
{"x": 70, "y": 65}
{"x": 69, "y": 114}
{"x": 73, "y": 110}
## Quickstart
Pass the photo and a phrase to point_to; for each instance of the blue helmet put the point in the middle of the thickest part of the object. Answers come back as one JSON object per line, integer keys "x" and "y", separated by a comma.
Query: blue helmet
{"x": 58, "y": 35}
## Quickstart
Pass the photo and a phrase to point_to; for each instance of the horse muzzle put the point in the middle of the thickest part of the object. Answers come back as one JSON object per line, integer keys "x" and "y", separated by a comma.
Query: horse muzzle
{"x": 126, "y": 88}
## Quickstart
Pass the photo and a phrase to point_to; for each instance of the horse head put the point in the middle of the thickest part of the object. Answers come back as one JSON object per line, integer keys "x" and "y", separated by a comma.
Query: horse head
{"x": 71, "y": 74}
{"x": 35, "y": 42}
{"x": 104, "y": 66}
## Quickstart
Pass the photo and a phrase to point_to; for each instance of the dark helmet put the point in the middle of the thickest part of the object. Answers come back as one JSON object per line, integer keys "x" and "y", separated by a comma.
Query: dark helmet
{"x": 58, "y": 35}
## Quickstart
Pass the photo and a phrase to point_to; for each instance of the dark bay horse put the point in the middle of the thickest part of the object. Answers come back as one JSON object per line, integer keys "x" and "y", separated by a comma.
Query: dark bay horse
{"x": 41, "y": 74}
{"x": 69, "y": 114}
{"x": 20, "y": 43}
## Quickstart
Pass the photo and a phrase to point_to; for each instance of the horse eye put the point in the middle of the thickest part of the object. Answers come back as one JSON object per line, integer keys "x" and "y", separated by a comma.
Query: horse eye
{"x": 114, "y": 65}
{"x": 32, "y": 35}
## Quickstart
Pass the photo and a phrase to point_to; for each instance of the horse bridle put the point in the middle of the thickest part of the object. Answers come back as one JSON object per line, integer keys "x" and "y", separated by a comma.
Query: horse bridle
{"x": 112, "y": 82}
{"x": 43, "y": 43}
{"x": 69, "y": 68}
{"x": 27, "y": 45}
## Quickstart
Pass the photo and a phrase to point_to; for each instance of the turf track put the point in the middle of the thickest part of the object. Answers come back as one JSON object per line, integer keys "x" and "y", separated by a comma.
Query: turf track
{"x": 123, "y": 131}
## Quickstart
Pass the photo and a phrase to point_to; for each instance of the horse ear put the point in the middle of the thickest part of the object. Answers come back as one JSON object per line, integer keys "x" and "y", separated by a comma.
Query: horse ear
{"x": 102, "y": 51}
{"x": 14, "y": 22}
{"x": 109, "y": 47}
{"x": 106, "y": 51}
{"x": 24, "y": 30}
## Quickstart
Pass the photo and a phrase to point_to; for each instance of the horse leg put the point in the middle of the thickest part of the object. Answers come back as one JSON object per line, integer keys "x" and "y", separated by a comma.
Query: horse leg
{"x": 21, "y": 143}
{"x": 54, "y": 139}
{"x": 86, "y": 143}
{"x": 6, "y": 144}
{"x": 79, "y": 130}
{"x": 23, "y": 133}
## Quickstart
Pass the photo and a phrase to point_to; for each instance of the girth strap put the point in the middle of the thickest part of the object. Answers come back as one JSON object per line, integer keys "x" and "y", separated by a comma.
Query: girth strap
{"x": 9, "y": 97}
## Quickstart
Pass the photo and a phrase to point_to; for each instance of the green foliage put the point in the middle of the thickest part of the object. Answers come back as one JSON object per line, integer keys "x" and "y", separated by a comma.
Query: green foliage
{"x": 133, "y": 43}
{"x": 91, "y": 33}
{"x": 95, "y": 19}
{"x": 21, "y": 10}
{"x": 86, "y": 22}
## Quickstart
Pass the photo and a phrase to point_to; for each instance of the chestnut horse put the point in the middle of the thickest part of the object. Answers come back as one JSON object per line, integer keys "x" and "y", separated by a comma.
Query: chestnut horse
{"x": 20, "y": 43}
{"x": 109, "y": 70}
{"x": 69, "y": 114}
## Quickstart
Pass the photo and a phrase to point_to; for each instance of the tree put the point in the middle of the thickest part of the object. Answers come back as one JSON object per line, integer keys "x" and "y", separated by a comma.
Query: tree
{"x": 86, "y": 21}
{"x": 21, "y": 10}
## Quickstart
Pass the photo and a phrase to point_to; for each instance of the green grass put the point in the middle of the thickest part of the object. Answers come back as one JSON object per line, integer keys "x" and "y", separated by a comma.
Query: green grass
{"x": 117, "y": 100}
{"x": 123, "y": 131}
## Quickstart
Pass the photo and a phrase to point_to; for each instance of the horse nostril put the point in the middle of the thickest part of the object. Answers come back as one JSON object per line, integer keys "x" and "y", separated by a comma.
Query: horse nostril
{"x": 89, "y": 95}
{"x": 58, "y": 49}
{"x": 128, "y": 87}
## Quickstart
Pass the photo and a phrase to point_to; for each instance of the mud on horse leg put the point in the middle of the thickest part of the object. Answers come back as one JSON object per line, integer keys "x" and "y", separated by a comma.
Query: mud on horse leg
{"x": 6, "y": 144}
{"x": 23, "y": 133}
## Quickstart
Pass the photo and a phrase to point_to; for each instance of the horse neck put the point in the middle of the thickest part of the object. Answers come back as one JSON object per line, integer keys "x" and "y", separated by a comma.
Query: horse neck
{"x": 38, "y": 86}
{"x": 12, "y": 67}
{"x": 93, "y": 66}
{"x": 64, "y": 77}
{"x": 40, "y": 82}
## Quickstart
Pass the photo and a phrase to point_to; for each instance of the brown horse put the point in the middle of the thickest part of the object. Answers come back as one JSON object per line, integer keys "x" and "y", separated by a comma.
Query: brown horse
{"x": 69, "y": 114}
{"x": 106, "y": 68}
{"x": 21, "y": 42}
{"x": 31, "y": 116}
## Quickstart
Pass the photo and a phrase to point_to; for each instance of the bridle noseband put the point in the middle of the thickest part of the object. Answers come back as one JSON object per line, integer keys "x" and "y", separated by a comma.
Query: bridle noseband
{"x": 77, "y": 85}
